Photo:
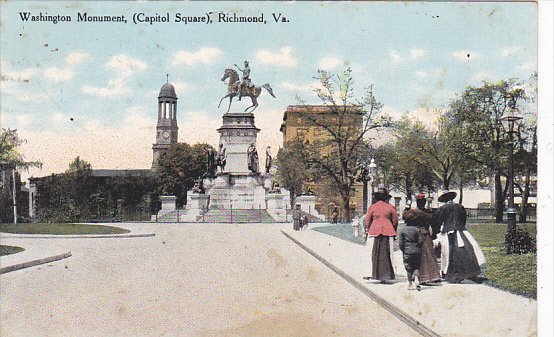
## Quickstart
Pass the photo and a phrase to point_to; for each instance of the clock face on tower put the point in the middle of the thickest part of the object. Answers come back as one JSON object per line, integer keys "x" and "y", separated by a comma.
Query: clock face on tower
{"x": 165, "y": 134}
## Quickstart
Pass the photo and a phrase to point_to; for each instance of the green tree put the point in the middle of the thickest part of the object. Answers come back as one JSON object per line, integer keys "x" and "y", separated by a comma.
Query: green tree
{"x": 179, "y": 166}
{"x": 79, "y": 165}
{"x": 477, "y": 115}
{"x": 335, "y": 155}
{"x": 11, "y": 160}
{"x": 293, "y": 173}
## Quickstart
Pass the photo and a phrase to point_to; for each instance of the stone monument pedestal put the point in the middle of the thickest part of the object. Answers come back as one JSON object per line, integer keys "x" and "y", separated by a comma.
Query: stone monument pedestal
{"x": 276, "y": 206}
{"x": 236, "y": 191}
{"x": 307, "y": 204}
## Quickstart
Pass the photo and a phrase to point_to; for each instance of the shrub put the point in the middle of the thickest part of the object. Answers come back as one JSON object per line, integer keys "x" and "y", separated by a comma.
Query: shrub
{"x": 520, "y": 242}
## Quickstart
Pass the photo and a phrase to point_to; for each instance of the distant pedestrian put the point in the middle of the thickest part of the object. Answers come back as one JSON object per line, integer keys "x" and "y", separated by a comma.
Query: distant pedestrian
{"x": 381, "y": 223}
{"x": 461, "y": 256}
{"x": 296, "y": 217}
{"x": 335, "y": 215}
{"x": 304, "y": 221}
{"x": 356, "y": 226}
{"x": 410, "y": 242}
{"x": 429, "y": 271}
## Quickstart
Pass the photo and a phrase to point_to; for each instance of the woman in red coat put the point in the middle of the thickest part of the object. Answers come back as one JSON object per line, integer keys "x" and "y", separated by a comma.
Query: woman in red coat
{"x": 381, "y": 223}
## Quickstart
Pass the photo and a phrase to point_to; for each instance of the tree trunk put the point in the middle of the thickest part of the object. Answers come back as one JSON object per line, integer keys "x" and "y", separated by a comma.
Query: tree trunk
{"x": 292, "y": 194}
{"x": 346, "y": 208}
{"x": 498, "y": 198}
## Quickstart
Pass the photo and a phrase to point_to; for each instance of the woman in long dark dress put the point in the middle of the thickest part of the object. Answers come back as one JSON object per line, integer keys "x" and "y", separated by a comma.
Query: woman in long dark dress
{"x": 429, "y": 268}
{"x": 461, "y": 257}
{"x": 381, "y": 223}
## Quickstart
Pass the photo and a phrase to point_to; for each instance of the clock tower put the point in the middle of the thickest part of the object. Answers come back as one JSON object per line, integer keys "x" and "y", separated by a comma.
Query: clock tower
{"x": 166, "y": 128}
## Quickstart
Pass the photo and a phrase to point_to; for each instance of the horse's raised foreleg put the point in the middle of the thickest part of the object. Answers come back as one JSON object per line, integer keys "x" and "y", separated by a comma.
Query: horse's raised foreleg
{"x": 230, "y": 100}
{"x": 222, "y": 98}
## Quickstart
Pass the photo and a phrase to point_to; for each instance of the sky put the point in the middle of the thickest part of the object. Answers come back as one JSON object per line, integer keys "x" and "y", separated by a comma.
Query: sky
{"x": 90, "y": 89}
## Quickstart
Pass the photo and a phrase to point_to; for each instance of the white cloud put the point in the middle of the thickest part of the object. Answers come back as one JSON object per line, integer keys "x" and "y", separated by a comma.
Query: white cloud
{"x": 395, "y": 56}
{"x": 281, "y": 58}
{"x": 125, "y": 65}
{"x": 76, "y": 58}
{"x": 59, "y": 117}
{"x": 59, "y": 74}
{"x": 329, "y": 63}
{"x": 511, "y": 51}
{"x": 205, "y": 55}
{"x": 421, "y": 74}
{"x": 463, "y": 55}
{"x": 307, "y": 87}
{"x": 417, "y": 53}
{"x": 181, "y": 87}
{"x": 115, "y": 88}
{"x": 15, "y": 76}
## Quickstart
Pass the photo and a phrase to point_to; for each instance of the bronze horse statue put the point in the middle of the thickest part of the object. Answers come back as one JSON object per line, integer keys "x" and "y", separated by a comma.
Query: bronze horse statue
{"x": 233, "y": 90}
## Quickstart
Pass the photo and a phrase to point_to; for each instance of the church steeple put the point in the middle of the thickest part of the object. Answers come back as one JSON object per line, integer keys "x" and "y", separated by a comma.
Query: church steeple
{"x": 166, "y": 128}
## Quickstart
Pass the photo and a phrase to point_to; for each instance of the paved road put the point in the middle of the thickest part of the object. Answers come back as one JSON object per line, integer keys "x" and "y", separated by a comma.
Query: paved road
{"x": 188, "y": 280}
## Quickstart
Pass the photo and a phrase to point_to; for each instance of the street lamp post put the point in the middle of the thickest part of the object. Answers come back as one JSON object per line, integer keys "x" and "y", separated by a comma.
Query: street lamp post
{"x": 510, "y": 122}
{"x": 367, "y": 174}
{"x": 372, "y": 170}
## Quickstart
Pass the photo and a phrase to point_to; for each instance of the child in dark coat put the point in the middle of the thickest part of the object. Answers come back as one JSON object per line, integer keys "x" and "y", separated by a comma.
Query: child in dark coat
{"x": 410, "y": 242}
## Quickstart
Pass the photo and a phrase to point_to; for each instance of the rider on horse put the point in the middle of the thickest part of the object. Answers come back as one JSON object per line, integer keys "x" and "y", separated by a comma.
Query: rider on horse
{"x": 245, "y": 84}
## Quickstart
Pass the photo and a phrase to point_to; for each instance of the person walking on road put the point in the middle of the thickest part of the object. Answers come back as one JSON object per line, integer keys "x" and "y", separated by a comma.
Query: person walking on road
{"x": 429, "y": 271}
{"x": 381, "y": 223}
{"x": 335, "y": 215}
{"x": 410, "y": 242}
{"x": 296, "y": 217}
{"x": 461, "y": 256}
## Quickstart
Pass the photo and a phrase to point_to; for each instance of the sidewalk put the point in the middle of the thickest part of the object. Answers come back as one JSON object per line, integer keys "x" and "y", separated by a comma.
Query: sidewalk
{"x": 466, "y": 309}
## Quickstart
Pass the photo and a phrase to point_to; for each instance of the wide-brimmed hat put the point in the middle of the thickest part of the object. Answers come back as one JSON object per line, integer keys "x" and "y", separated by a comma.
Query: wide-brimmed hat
{"x": 381, "y": 191}
{"x": 447, "y": 196}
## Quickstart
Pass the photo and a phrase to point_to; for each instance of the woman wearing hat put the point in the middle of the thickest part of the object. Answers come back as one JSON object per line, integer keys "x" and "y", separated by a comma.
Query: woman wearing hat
{"x": 461, "y": 256}
{"x": 381, "y": 223}
{"x": 429, "y": 269}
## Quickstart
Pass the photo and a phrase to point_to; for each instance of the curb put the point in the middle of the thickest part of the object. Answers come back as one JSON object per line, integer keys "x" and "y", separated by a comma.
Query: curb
{"x": 33, "y": 263}
{"x": 92, "y": 236}
{"x": 395, "y": 311}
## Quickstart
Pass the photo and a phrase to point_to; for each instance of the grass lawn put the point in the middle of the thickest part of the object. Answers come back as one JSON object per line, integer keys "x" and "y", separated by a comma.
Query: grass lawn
{"x": 515, "y": 273}
{"x": 59, "y": 229}
{"x": 7, "y": 250}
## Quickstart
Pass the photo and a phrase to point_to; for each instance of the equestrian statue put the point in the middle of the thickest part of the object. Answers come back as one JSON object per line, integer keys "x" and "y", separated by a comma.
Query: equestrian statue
{"x": 242, "y": 87}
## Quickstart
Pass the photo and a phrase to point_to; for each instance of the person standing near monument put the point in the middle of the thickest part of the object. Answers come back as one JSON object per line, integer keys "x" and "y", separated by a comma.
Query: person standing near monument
{"x": 461, "y": 256}
{"x": 253, "y": 164}
{"x": 268, "y": 159}
{"x": 245, "y": 83}
{"x": 296, "y": 217}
